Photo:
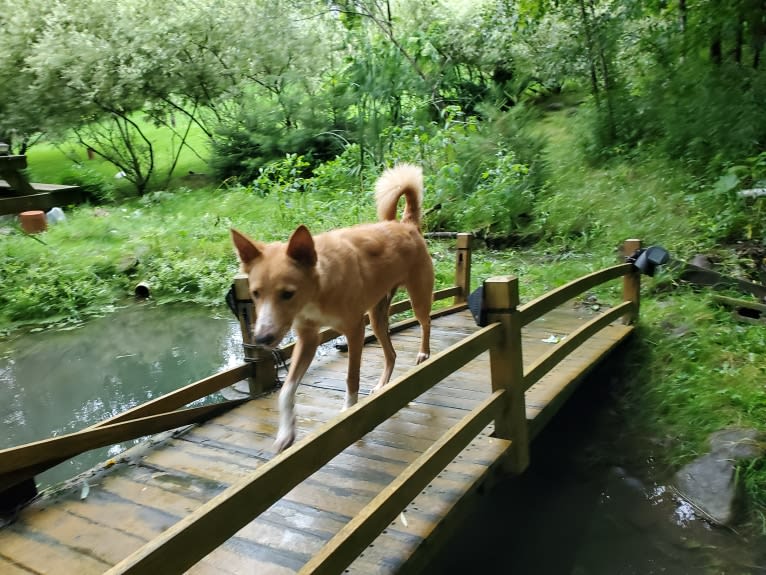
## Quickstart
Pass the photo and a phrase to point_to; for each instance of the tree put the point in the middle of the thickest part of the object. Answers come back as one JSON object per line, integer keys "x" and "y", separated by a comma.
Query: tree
{"x": 110, "y": 70}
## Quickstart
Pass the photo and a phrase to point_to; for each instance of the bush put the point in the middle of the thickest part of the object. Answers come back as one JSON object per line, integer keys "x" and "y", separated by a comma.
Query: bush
{"x": 479, "y": 177}
{"x": 96, "y": 187}
{"x": 262, "y": 133}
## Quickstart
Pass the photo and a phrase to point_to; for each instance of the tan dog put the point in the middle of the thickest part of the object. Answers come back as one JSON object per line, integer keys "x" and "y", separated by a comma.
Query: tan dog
{"x": 333, "y": 278}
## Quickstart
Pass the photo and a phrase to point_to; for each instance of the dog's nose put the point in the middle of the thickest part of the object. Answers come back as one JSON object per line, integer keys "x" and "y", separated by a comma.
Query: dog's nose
{"x": 267, "y": 339}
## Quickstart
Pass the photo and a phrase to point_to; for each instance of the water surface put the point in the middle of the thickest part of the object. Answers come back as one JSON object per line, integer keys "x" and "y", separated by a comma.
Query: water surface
{"x": 57, "y": 382}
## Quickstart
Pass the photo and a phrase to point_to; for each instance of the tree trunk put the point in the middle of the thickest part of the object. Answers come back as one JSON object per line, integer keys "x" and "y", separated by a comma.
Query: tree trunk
{"x": 740, "y": 39}
{"x": 682, "y": 23}
{"x": 591, "y": 57}
{"x": 758, "y": 33}
{"x": 716, "y": 50}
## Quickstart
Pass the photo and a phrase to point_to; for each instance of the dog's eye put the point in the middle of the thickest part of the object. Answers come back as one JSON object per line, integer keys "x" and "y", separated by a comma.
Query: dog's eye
{"x": 256, "y": 294}
{"x": 287, "y": 294}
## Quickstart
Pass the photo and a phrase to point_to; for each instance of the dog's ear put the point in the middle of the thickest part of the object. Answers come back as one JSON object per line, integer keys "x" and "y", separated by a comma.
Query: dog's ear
{"x": 247, "y": 250}
{"x": 300, "y": 247}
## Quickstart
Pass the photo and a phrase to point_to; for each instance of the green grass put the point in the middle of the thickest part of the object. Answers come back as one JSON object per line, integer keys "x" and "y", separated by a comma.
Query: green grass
{"x": 695, "y": 369}
{"x": 639, "y": 195}
{"x": 56, "y": 163}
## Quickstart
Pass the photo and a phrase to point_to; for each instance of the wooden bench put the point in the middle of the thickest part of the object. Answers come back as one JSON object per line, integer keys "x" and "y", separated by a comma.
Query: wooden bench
{"x": 17, "y": 194}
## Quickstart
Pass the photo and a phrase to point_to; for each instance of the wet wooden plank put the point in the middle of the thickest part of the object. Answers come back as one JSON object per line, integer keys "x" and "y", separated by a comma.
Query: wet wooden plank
{"x": 8, "y": 568}
{"x": 362, "y": 530}
{"x": 448, "y": 509}
{"x": 39, "y": 553}
{"x": 80, "y": 537}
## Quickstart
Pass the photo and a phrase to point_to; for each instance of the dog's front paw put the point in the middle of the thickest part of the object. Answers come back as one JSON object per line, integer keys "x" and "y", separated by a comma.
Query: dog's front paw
{"x": 285, "y": 438}
{"x": 422, "y": 357}
{"x": 350, "y": 401}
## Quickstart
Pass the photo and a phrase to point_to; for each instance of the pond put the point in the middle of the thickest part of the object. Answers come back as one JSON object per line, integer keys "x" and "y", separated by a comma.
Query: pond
{"x": 592, "y": 502}
{"x": 56, "y": 382}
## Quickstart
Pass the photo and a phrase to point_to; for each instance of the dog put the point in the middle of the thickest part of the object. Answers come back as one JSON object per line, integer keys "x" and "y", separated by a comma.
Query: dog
{"x": 333, "y": 278}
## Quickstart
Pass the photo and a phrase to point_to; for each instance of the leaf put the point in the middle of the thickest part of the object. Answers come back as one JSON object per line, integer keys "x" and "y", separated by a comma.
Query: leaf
{"x": 726, "y": 183}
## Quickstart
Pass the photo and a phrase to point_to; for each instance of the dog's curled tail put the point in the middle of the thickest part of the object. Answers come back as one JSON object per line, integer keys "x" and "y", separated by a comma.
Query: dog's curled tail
{"x": 401, "y": 180}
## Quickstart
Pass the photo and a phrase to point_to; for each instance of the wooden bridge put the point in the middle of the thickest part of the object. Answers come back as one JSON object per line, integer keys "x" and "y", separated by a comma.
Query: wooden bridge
{"x": 375, "y": 489}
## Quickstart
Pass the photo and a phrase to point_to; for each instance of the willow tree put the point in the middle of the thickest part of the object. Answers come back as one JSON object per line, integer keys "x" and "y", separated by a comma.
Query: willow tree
{"x": 109, "y": 71}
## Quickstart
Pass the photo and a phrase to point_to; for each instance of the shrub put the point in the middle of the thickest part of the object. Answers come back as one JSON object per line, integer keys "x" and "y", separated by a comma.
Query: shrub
{"x": 96, "y": 187}
{"x": 479, "y": 177}
{"x": 262, "y": 133}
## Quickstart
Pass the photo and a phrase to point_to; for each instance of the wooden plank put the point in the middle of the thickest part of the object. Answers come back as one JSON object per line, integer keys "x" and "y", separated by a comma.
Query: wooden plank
{"x": 16, "y": 181}
{"x": 328, "y": 334}
{"x": 545, "y": 303}
{"x": 170, "y": 401}
{"x": 507, "y": 366}
{"x": 39, "y": 553}
{"x": 566, "y": 385}
{"x": 631, "y": 283}
{"x": 347, "y": 474}
{"x": 64, "y": 446}
{"x": 566, "y": 346}
{"x": 366, "y": 525}
{"x": 449, "y": 512}
{"x": 174, "y": 483}
{"x": 463, "y": 267}
{"x": 184, "y": 395}
{"x": 79, "y": 533}
{"x": 8, "y": 568}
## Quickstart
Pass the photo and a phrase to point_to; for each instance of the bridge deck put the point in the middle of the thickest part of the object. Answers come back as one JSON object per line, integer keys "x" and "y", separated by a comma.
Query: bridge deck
{"x": 146, "y": 492}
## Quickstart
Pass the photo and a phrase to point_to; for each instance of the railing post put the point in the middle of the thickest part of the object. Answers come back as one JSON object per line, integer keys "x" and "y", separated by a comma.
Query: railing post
{"x": 631, "y": 282}
{"x": 264, "y": 368}
{"x": 463, "y": 267}
{"x": 501, "y": 298}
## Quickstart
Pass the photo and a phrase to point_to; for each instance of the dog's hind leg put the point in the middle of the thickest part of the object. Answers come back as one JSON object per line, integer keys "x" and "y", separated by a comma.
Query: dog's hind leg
{"x": 355, "y": 338}
{"x": 421, "y": 295}
{"x": 305, "y": 347}
{"x": 379, "y": 323}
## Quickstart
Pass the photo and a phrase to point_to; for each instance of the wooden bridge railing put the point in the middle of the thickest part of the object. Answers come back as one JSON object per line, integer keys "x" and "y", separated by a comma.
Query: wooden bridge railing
{"x": 193, "y": 537}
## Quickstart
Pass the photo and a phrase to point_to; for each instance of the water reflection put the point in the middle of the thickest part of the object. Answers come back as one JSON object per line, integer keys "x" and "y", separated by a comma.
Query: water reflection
{"x": 57, "y": 382}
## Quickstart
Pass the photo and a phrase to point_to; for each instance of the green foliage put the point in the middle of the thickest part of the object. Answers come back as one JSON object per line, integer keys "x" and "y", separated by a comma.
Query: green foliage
{"x": 504, "y": 187}
{"x": 304, "y": 106}
{"x": 708, "y": 116}
{"x": 479, "y": 177}
{"x": 707, "y": 382}
{"x": 243, "y": 146}
{"x": 96, "y": 187}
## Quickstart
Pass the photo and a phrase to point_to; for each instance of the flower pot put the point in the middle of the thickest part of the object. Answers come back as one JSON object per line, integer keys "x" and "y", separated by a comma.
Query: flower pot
{"x": 33, "y": 221}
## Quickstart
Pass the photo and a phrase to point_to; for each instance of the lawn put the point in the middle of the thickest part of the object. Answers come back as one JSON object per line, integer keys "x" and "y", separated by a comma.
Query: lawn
{"x": 59, "y": 163}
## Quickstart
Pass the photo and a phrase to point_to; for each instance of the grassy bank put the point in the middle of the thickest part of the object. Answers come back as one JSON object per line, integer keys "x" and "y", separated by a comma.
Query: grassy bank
{"x": 694, "y": 369}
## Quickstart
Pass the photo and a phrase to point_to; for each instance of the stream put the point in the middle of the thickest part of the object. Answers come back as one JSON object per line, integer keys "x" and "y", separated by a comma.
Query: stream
{"x": 592, "y": 502}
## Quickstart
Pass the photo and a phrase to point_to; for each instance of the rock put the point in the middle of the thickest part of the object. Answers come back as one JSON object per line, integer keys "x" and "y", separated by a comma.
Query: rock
{"x": 738, "y": 444}
{"x": 127, "y": 264}
{"x": 702, "y": 261}
{"x": 709, "y": 483}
